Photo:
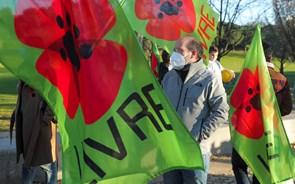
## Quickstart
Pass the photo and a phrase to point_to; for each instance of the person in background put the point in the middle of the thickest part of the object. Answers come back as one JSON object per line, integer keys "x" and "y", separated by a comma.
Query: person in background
{"x": 164, "y": 66}
{"x": 200, "y": 100}
{"x": 284, "y": 99}
{"x": 35, "y": 135}
{"x": 215, "y": 66}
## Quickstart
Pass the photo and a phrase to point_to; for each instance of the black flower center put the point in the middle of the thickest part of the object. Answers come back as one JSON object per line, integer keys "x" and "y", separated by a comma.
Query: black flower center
{"x": 168, "y": 8}
{"x": 255, "y": 100}
{"x": 69, "y": 50}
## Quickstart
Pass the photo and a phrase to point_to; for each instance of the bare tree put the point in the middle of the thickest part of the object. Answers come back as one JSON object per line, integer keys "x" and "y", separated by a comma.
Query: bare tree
{"x": 280, "y": 32}
{"x": 230, "y": 34}
{"x": 284, "y": 11}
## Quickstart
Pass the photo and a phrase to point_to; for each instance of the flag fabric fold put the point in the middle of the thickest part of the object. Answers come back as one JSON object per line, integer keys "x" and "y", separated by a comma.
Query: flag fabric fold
{"x": 115, "y": 123}
{"x": 256, "y": 127}
{"x": 164, "y": 22}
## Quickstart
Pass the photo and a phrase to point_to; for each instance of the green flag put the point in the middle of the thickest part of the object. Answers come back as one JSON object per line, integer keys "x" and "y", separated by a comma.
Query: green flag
{"x": 164, "y": 22}
{"x": 155, "y": 59}
{"x": 115, "y": 123}
{"x": 256, "y": 127}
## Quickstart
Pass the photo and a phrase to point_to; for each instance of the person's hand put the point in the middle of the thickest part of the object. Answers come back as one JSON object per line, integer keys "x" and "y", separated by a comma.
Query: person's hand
{"x": 233, "y": 73}
{"x": 54, "y": 120}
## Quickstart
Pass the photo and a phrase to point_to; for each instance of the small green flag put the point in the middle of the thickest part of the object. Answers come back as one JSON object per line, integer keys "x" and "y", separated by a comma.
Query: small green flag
{"x": 155, "y": 59}
{"x": 116, "y": 125}
{"x": 256, "y": 126}
{"x": 164, "y": 22}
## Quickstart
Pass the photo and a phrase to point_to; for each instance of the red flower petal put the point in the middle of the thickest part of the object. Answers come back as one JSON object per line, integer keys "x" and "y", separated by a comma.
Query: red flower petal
{"x": 145, "y": 9}
{"x": 60, "y": 73}
{"x": 154, "y": 27}
{"x": 247, "y": 119}
{"x": 100, "y": 81}
{"x": 249, "y": 124}
{"x": 37, "y": 26}
{"x": 94, "y": 18}
{"x": 75, "y": 55}
{"x": 42, "y": 22}
{"x": 167, "y": 16}
{"x": 247, "y": 81}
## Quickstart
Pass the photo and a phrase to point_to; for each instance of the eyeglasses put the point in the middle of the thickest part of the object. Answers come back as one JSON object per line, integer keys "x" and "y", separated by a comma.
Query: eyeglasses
{"x": 181, "y": 51}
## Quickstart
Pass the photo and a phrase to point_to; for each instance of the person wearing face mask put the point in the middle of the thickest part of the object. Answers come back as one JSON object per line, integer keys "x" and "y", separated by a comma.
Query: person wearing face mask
{"x": 200, "y": 100}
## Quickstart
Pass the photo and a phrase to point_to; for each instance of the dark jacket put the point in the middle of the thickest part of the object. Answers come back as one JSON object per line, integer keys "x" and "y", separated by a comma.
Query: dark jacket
{"x": 35, "y": 131}
{"x": 163, "y": 69}
{"x": 282, "y": 91}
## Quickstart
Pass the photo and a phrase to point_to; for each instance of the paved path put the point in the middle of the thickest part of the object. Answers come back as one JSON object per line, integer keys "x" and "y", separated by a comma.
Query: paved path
{"x": 220, "y": 167}
{"x": 220, "y": 171}
{"x": 10, "y": 172}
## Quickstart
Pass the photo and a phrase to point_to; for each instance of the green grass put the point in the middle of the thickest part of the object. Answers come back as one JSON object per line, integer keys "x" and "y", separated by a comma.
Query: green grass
{"x": 7, "y": 97}
{"x": 233, "y": 61}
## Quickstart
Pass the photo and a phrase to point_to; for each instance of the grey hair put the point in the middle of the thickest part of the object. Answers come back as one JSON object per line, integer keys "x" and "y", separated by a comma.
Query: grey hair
{"x": 194, "y": 44}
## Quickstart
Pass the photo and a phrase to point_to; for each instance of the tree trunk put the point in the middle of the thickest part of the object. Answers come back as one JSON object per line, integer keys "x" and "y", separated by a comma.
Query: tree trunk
{"x": 282, "y": 67}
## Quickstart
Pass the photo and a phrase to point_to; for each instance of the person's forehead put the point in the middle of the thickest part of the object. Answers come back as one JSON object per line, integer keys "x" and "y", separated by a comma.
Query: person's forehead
{"x": 213, "y": 53}
{"x": 182, "y": 43}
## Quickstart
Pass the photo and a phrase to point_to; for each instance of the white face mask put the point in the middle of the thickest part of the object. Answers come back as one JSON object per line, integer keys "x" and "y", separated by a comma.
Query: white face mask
{"x": 170, "y": 67}
{"x": 178, "y": 61}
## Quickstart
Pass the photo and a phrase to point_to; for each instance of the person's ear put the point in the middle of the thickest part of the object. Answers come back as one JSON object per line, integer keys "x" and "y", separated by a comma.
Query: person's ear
{"x": 194, "y": 54}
